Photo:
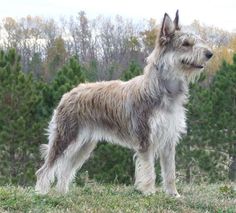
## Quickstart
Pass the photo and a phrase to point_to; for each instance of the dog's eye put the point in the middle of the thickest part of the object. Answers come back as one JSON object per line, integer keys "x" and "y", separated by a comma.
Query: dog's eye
{"x": 186, "y": 44}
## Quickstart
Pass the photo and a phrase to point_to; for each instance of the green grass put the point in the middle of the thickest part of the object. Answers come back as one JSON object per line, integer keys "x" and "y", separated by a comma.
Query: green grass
{"x": 94, "y": 197}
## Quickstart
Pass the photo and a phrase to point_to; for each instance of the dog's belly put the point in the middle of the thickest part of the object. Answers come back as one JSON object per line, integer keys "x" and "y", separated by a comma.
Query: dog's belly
{"x": 167, "y": 127}
{"x": 100, "y": 134}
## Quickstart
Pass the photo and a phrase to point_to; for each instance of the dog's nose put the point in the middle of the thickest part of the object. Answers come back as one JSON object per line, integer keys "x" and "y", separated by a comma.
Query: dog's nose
{"x": 208, "y": 54}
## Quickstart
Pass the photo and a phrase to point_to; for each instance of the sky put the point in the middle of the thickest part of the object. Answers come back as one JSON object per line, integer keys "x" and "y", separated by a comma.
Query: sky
{"x": 218, "y": 13}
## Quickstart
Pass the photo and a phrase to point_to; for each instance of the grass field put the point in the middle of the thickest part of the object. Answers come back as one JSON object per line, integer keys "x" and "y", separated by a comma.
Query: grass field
{"x": 94, "y": 197}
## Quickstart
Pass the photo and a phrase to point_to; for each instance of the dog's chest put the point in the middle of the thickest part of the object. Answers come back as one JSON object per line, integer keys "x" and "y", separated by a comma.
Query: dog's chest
{"x": 168, "y": 126}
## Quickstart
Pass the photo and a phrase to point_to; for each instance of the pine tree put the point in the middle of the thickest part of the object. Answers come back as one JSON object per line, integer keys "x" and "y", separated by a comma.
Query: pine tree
{"x": 20, "y": 121}
{"x": 223, "y": 95}
{"x": 36, "y": 65}
{"x": 69, "y": 76}
{"x": 25, "y": 109}
{"x": 210, "y": 142}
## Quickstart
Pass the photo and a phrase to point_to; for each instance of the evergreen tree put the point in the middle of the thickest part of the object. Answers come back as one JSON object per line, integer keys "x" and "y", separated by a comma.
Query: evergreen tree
{"x": 223, "y": 96}
{"x": 210, "y": 143}
{"x": 69, "y": 76}
{"x": 35, "y": 65}
{"x": 20, "y": 121}
{"x": 25, "y": 109}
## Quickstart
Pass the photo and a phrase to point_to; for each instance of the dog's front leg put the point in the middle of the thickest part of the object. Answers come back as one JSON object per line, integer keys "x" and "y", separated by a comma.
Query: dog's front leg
{"x": 167, "y": 160}
{"x": 145, "y": 172}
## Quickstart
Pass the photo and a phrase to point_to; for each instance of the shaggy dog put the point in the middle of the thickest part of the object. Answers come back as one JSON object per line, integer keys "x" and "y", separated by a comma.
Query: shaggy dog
{"x": 146, "y": 114}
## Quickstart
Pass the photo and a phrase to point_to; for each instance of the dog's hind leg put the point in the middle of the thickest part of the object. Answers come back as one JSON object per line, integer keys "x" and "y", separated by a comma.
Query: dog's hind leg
{"x": 72, "y": 160}
{"x": 145, "y": 172}
{"x": 45, "y": 175}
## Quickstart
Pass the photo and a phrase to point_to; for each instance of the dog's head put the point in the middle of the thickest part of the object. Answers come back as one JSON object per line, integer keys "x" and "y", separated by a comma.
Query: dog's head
{"x": 185, "y": 52}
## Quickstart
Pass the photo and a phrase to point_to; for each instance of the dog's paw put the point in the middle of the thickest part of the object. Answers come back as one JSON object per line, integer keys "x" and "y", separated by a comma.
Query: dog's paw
{"x": 174, "y": 194}
{"x": 149, "y": 192}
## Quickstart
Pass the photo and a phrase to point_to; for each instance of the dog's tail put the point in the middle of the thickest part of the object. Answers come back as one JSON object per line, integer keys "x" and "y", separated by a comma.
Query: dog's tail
{"x": 45, "y": 175}
{"x": 63, "y": 130}
{"x": 50, "y": 153}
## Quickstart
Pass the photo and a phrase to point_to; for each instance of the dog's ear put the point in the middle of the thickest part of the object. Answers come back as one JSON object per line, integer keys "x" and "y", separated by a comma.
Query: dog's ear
{"x": 176, "y": 20}
{"x": 167, "y": 29}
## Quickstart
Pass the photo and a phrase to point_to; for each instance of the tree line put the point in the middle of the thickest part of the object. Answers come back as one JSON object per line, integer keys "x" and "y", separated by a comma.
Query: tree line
{"x": 104, "y": 45}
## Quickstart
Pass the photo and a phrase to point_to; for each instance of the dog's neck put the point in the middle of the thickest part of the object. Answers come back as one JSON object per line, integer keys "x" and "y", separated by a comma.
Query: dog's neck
{"x": 162, "y": 79}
